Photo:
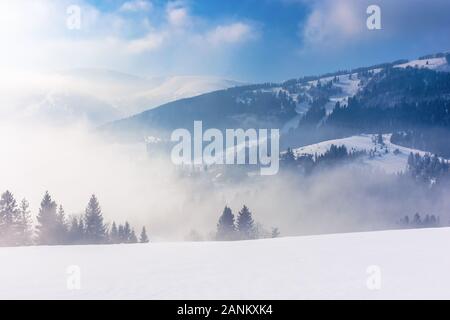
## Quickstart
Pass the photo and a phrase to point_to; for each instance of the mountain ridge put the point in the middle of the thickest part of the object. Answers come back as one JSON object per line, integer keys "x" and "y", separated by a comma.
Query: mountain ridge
{"x": 298, "y": 107}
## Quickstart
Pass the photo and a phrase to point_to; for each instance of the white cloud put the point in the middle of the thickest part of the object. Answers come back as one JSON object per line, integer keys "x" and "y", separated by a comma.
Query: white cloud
{"x": 136, "y": 5}
{"x": 340, "y": 23}
{"x": 231, "y": 33}
{"x": 166, "y": 40}
{"x": 177, "y": 15}
{"x": 150, "y": 42}
{"x": 334, "y": 21}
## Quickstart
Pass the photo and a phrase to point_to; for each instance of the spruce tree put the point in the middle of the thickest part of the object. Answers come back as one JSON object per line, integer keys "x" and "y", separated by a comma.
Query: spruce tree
{"x": 225, "y": 227}
{"x": 114, "y": 234}
{"x": 133, "y": 238}
{"x": 25, "y": 224}
{"x": 9, "y": 218}
{"x": 245, "y": 224}
{"x": 81, "y": 231}
{"x": 95, "y": 230}
{"x": 126, "y": 232}
{"x": 275, "y": 233}
{"x": 143, "y": 237}
{"x": 121, "y": 234}
{"x": 74, "y": 235}
{"x": 47, "y": 228}
{"x": 62, "y": 229}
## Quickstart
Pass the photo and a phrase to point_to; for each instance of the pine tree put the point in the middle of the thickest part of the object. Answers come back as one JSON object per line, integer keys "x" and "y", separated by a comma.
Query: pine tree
{"x": 95, "y": 228}
{"x": 143, "y": 237}
{"x": 126, "y": 233}
{"x": 74, "y": 234}
{"x": 47, "y": 228}
{"x": 25, "y": 224}
{"x": 245, "y": 224}
{"x": 62, "y": 229}
{"x": 380, "y": 139}
{"x": 417, "y": 220}
{"x": 114, "y": 234}
{"x": 275, "y": 233}
{"x": 121, "y": 234}
{"x": 289, "y": 158}
{"x": 9, "y": 217}
{"x": 81, "y": 231}
{"x": 133, "y": 238}
{"x": 226, "y": 229}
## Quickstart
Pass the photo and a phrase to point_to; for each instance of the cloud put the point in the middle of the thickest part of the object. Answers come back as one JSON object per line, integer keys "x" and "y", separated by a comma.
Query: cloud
{"x": 177, "y": 15}
{"x": 136, "y": 5}
{"x": 333, "y": 22}
{"x": 339, "y": 23}
{"x": 150, "y": 42}
{"x": 231, "y": 33}
{"x": 137, "y": 37}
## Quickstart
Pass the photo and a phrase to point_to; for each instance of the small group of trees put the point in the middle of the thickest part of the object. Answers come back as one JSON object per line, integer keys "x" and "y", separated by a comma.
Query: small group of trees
{"x": 15, "y": 221}
{"x": 54, "y": 228}
{"x": 427, "y": 167}
{"x": 241, "y": 227}
{"x": 307, "y": 162}
{"x": 417, "y": 221}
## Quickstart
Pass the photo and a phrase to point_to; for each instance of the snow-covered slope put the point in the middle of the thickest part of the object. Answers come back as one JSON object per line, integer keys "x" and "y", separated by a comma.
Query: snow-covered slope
{"x": 408, "y": 264}
{"x": 388, "y": 157}
{"x": 438, "y": 64}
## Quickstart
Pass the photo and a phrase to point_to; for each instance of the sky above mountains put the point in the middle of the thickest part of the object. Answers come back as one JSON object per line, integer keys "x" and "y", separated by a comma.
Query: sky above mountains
{"x": 247, "y": 40}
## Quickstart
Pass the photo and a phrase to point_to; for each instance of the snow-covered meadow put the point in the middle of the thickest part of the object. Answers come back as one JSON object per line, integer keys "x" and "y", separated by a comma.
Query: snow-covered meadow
{"x": 389, "y": 157}
{"x": 408, "y": 264}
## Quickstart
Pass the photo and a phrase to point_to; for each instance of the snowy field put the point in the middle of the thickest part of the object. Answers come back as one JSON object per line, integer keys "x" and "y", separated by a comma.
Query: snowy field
{"x": 394, "y": 160}
{"x": 397, "y": 264}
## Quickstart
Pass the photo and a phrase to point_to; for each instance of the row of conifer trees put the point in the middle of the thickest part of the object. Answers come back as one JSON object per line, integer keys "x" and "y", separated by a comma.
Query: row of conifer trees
{"x": 53, "y": 227}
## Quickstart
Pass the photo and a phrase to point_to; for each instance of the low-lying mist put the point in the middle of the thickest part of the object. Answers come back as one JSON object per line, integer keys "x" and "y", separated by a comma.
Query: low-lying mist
{"x": 74, "y": 162}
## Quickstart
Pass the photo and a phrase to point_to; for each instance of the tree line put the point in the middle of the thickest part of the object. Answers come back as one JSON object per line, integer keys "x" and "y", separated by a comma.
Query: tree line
{"x": 417, "y": 221}
{"x": 307, "y": 163}
{"x": 241, "y": 227}
{"x": 55, "y": 228}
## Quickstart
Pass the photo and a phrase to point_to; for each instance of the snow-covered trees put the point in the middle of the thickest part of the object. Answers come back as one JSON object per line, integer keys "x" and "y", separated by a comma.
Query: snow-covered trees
{"x": 417, "y": 221}
{"x": 275, "y": 233}
{"x": 47, "y": 218}
{"x": 243, "y": 227}
{"x": 55, "y": 228}
{"x": 427, "y": 168}
{"x": 114, "y": 233}
{"x": 14, "y": 228}
{"x": 226, "y": 229}
{"x": 25, "y": 224}
{"x": 143, "y": 238}
{"x": 124, "y": 233}
{"x": 95, "y": 230}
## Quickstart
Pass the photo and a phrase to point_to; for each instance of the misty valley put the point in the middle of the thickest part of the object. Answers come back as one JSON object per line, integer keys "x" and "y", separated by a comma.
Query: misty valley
{"x": 359, "y": 150}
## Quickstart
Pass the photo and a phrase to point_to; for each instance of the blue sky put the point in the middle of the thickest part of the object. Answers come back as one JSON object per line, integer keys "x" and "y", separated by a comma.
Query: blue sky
{"x": 248, "y": 40}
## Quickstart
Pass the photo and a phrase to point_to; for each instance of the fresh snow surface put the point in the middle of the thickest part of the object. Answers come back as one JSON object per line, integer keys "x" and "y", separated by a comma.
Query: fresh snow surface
{"x": 402, "y": 264}
{"x": 389, "y": 162}
{"x": 438, "y": 64}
